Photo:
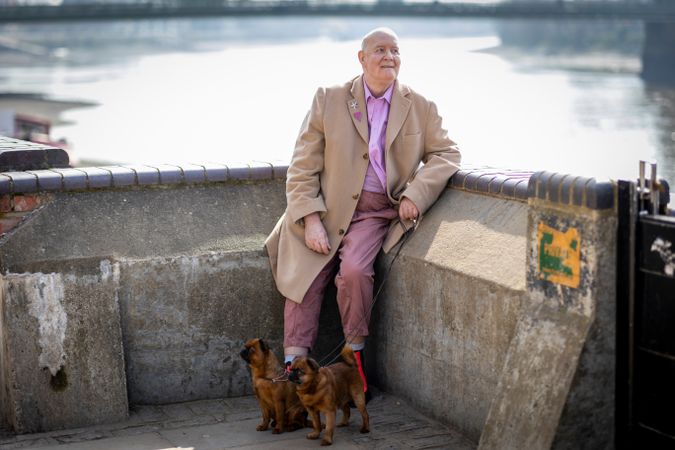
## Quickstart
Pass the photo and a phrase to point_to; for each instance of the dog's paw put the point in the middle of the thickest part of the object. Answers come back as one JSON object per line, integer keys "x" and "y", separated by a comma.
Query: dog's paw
{"x": 261, "y": 427}
{"x": 364, "y": 430}
{"x": 276, "y": 431}
{"x": 321, "y": 424}
{"x": 326, "y": 442}
{"x": 313, "y": 435}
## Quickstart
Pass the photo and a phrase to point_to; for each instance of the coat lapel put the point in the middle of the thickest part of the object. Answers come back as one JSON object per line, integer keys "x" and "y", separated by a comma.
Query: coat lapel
{"x": 356, "y": 106}
{"x": 398, "y": 111}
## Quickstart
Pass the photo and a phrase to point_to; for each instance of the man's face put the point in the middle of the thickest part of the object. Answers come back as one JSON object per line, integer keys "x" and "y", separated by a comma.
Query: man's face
{"x": 380, "y": 60}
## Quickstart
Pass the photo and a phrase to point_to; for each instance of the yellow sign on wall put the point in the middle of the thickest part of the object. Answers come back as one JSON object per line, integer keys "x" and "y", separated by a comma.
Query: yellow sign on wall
{"x": 559, "y": 255}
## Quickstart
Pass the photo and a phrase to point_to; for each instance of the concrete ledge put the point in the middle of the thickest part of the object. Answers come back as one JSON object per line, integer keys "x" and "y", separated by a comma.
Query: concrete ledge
{"x": 507, "y": 184}
{"x": 106, "y": 177}
{"x": 18, "y": 182}
{"x": 27, "y": 167}
{"x": 571, "y": 190}
{"x": 16, "y": 154}
{"x": 501, "y": 183}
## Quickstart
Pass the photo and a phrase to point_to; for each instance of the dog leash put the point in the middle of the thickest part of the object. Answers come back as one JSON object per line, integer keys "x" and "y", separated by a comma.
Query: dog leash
{"x": 281, "y": 378}
{"x": 407, "y": 232}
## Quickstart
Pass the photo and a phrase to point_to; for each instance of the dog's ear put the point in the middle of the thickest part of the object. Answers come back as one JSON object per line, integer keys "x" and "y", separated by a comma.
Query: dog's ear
{"x": 263, "y": 346}
{"x": 313, "y": 364}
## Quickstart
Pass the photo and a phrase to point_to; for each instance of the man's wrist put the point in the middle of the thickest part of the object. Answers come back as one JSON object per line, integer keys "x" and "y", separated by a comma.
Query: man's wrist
{"x": 312, "y": 218}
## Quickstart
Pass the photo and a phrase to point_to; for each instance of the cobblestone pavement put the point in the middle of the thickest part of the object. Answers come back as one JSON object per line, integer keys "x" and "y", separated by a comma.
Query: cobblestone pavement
{"x": 230, "y": 423}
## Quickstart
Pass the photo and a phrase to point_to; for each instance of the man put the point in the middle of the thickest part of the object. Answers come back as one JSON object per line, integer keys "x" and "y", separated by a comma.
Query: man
{"x": 354, "y": 186}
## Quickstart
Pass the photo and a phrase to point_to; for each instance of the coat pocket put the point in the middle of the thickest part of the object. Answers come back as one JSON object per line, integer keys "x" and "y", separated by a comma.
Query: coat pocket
{"x": 413, "y": 142}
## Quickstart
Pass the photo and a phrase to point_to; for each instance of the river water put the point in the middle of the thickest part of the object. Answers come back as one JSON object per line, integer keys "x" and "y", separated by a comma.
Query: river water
{"x": 237, "y": 89}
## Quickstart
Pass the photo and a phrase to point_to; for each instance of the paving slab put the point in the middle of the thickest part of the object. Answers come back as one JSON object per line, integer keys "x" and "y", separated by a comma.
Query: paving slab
{"x": 230, "y": 424}
{"x": 142, "y": 442}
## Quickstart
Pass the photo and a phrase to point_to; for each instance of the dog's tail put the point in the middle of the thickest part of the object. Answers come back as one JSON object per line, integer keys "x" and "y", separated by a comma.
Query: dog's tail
{"x": 347, "y": 355}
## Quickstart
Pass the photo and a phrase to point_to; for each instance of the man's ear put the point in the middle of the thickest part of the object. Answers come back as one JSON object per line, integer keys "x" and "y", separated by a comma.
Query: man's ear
{"x": 361, "y": 57}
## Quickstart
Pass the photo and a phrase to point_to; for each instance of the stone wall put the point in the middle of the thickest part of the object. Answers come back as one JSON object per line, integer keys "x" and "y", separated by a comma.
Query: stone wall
{"x": 451, "y": 305}
{"x": 161, "y": 271}
{"x": 63, "y": 362}
{"x": 557, "y": 385}
{"x": 186, "y": 281}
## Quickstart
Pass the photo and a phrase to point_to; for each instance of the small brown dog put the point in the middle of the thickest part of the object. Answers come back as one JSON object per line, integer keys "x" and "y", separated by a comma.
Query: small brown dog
{"x": 325, "y": 389}
{"x": 278, "y": 399}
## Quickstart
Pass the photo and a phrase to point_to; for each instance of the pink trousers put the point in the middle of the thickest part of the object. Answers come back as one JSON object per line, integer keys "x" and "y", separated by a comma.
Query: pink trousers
{"x": 355, "y": 276}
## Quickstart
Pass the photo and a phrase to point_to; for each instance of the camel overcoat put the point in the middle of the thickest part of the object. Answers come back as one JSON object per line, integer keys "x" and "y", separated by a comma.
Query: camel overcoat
{"x": 329, "y": 166}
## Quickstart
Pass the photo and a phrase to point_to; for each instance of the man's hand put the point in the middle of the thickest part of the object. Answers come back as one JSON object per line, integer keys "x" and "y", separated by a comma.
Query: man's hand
{"x": 407, "y": 209}
{"x": 315, "y": 234}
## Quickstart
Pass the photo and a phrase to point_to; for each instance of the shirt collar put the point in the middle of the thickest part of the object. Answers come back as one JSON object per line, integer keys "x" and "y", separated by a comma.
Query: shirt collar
{"x": 387, "y": 93}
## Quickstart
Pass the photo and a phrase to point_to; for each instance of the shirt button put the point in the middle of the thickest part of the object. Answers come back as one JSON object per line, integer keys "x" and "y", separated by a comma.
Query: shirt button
{"x": 365, "y": 156}
{"x": 355, "y": 196}
{"x": 341, "y": 232}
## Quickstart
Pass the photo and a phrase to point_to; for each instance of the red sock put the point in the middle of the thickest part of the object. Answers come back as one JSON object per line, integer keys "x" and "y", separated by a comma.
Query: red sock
{"x": 357, "y": 354}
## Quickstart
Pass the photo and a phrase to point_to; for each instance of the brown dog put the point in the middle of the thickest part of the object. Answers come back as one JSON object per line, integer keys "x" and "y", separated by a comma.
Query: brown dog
{"x": 325, "y": 389}
{"x": 277, "y": 398}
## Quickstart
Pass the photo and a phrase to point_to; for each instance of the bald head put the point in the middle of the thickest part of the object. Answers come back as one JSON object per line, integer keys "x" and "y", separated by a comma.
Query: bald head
{"x": 380, "y": 59}
{"x": 377, "y": 32}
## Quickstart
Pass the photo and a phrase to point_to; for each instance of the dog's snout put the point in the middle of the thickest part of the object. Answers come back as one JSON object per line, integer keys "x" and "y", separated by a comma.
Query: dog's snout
{"x": 244, "y": 354}
{"x": 294, "y": 376}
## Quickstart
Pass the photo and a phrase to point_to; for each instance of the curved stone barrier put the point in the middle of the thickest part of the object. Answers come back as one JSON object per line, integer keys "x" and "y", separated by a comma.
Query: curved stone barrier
{"x": 558, "y": 381}
{"x": 498, "y": 316}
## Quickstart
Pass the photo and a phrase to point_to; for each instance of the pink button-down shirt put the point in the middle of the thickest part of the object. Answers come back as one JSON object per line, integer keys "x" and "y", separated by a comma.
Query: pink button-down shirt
{"x": 378, "y": 117}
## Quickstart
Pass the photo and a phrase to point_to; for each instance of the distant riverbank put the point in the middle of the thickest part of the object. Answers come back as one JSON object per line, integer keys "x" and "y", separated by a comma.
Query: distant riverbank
{"x": 603, "y": 46}
{"x": 593, "y": 62}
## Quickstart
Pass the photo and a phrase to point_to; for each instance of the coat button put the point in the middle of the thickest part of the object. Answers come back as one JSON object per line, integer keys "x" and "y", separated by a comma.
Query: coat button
{"x": 341, "y": 232}
{"x": 355, "y": 196}
{"x": 365, "y": 156}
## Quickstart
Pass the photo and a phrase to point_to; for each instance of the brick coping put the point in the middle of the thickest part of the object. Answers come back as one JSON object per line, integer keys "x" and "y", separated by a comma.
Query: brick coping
{"x": 501, "y": 183}
{"x": 507, "y": 184}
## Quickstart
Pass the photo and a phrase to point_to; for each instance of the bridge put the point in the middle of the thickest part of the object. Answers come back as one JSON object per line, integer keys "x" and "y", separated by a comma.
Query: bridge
{"x": 654, "y": 11}
{"x": 659, "y": 16}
